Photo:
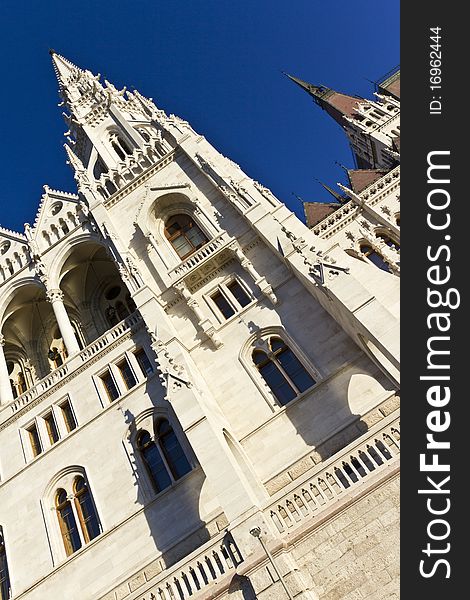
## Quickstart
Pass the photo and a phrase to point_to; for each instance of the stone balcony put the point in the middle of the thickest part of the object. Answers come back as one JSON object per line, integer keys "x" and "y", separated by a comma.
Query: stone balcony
{"x": 351, "y": 468}
{"x": 215, "y": 253}
{"x": 75, "y": 364}
{"x": 206, "y": 572}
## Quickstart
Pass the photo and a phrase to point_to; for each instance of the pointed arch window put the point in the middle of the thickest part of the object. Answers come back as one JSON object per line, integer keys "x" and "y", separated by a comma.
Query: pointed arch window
{"x": 77, "y": 516}
{"x": 67, "y": 523}
{"x": 184, "y": 234}
{"x": 5, "y": 588}
{"x": 163, "y": 456}
{"x": 99, "y": 168}
{"x": 120, "y": 146}
{"x": 391, "y": 243}
{"x": 375, "y": 257}
{"x": 86, "y": 510}
{"x": 281, "y": 370}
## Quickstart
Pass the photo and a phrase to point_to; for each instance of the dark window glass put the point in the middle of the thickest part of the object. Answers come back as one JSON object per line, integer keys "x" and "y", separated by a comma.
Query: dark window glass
{"x": 294, "y": 369}
{"x": 144, "y": 362}
{"x": 239, "y": 293}
{"x": 51, "y": 428}
{"x": 110, "y": 386}
{"x": 153, "y": 462}
{"x": 174, "y": 454}
{"x": 184, "y": 235}
{"x": 34, "y": 440}
{"x": 127, "y": 374}
{"x": 277, "y": 383}
{"x": 69, "y": 417}
{"x": 375, "y": 257}
{"x": 121, "y": 310}
{"x": 4, "y": 575}
{"x": 68, "y": 525}
{"x": 86, "y": 510}
{"x": 282, "y": 371}
{"x": 223, "y": 305}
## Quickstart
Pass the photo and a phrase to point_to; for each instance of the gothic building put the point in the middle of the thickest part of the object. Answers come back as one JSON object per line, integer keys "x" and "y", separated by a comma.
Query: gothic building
{"x": 198, "y": 393}
{"x": 364, "y": 217}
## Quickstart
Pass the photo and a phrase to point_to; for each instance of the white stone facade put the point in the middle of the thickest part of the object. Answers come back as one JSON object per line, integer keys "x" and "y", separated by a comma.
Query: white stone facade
{"x": 116, "y": 320}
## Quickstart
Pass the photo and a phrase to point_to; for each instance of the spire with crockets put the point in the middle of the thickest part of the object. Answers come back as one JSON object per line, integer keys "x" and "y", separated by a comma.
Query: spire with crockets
{"x": 372, "y": 126}
{"x": 113, "y": 135}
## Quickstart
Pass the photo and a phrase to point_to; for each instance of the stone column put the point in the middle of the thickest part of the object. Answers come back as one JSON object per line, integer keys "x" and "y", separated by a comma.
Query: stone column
{"x": 56, "y": 298}
{"x": 6, "y": 394}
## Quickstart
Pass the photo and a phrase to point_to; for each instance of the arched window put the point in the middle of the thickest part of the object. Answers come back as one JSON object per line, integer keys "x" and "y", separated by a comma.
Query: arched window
{"x": 86, "y": 510}
{"x": 4, "y": 575}
{"x": 282, "y": 371}
{"x": 120, "y": 304}
{"x": 375, "y": 257}
{"x": 67, "y": 523}
{"x": 163, "y": 456}
{"x": 391, "y": 243}
{"x": 99, "y": 168}
{"x": 81, "y": 510}
{"x": 119, "y": 146}
{"x": 184, "y": 235}
{"x": 172, "y": 450}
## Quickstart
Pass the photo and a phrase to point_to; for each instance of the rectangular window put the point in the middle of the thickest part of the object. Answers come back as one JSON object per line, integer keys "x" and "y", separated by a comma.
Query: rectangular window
{"x": 51, "y": 428}
{"x": 68, "y": 416}
{"x": 222, "y": 304}
{"x": 238, "y": 293}
{"x": 230, "y": 298}
{"x": 144, "y": 362}
{"x": 34, "y": 439}
{"x": 109, "y": 386}
{"x": 127, "y": 374}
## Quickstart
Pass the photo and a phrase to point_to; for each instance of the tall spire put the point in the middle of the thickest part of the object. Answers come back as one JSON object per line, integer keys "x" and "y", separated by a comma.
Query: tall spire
{"x": 338, "y": 197}
{"x": 336, "y": 104}
{"x": 63, "y": 68}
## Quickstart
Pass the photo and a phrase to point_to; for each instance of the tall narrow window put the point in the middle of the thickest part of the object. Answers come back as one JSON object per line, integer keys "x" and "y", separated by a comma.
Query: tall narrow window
{"x": 109, "y": 386}
{"x": 144, "y": 362}
{"x": 4, "y": 574}
{"x": 172, "y": 450}
{"x": 51, "y": 428}
{"x": 67, "y": 523}
{"x": 153, "y": 461}
{"x": 69, "y": 417}
{"x": 34, "y": 439}
{"x": 282, "y": 371}
{"x": 86, "y": 510}
{"x": 222, "y": 304}
{"x": 238, "y": 293}
{"x": 374, "y": 257}
{"x": 127, "y": 374}
{"x": 184, "y": 235}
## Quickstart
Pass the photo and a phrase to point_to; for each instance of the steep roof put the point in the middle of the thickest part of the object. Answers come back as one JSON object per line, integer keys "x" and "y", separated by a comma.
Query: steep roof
{"x": 336, "y": 104}
{"x": 317, "y": 211}
{"x": 362, "y": 178}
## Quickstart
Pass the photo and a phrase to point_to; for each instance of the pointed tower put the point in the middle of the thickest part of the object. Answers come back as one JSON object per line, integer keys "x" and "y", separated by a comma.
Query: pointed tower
{"x": 372, "y": 126}
{"x": 113, "y": 135}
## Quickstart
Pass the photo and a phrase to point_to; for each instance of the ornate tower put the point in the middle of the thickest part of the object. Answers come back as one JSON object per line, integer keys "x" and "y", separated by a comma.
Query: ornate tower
{"x": 372, "y": 126}
{"x": 188, "y": 374}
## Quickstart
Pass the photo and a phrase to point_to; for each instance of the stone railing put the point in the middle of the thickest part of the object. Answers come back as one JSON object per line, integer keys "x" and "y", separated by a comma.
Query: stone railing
{"x": 76, "y": 361}
{"x": 188, "y": 577}
{"x": 204, "y": 254}
{"x": 353, "y": 466}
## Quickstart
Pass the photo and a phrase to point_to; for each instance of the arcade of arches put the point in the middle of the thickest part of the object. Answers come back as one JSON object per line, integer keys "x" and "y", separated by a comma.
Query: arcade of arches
{"x": 42, "y": 328}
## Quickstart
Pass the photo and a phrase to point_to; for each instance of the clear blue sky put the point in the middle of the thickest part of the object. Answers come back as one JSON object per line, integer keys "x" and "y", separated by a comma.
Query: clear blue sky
{"x": 216, "y": 63}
